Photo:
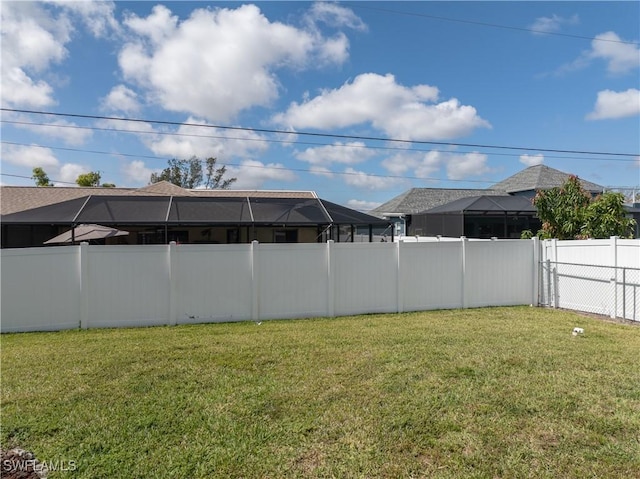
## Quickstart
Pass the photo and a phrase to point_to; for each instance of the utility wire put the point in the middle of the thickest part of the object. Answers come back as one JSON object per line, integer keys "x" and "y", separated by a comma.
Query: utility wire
{"x": 267, "y": 167}
{"x": 322, "y": 135}
{"x": 264, "y": 167}
{"x": 368, "y": 6}
{"x": 271, "y": 140}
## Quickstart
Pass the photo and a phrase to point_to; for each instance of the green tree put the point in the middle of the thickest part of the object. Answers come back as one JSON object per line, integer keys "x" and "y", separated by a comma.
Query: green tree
{"x": 569, "y": 212}
{"x": 40, "y": 177}
{"x": 89, "y": 179}
{"x": 607, "y": 217}
{"x": 189, "y": 174}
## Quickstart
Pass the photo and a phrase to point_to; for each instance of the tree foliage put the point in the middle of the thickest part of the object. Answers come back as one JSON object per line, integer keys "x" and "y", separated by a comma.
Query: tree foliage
{"x": 569, "y": 212}
{"x": 89, "y": 179}
{"x": 40, "y": 177}
{"x": 190, "y": 174}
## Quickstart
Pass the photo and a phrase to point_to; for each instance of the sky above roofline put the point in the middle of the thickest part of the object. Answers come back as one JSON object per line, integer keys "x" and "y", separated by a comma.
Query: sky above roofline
{"x": 357, "y": 101}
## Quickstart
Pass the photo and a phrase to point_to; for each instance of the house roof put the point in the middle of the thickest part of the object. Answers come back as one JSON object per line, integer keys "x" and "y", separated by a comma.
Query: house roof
{"x": 486, "y": 204}
{"x": 417, "y": 200}
{"x": 21, "y": 198}
{"x": 191, "y": 209}
{"x": 540, "y": 177}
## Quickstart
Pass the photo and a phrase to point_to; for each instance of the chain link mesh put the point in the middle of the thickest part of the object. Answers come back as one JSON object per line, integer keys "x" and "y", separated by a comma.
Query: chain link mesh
{"x": 605, "y": 290}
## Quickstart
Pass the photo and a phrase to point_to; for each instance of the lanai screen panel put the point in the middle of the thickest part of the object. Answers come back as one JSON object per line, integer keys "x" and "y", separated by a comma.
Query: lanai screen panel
{"x": 209, "y": 210}
{"x": 64, "y": 212}
{"x": 342, "y": 215}
{"x": 288, "y": 211}
{"x": 125, "y": 209}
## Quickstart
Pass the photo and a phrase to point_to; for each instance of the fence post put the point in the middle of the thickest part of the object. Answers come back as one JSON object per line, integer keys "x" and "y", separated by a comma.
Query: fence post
{"x": 548, "y": 273}
{"x": 463, "y": 245}
{"x": 535, "y": 293}
{"x": 624, "y": 293}
{"x": 255, "y": 299}
{"x": 399, "y": 298}
{"x": 331, "y": 281}
{"x": 84, "y": 285}
{"x": 614, "y": 278}
{"x": 556, "y": 287}
{"x": 172, "y": 264}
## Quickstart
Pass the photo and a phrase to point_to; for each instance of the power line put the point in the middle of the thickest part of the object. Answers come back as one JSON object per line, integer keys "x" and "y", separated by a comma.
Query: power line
{"x": 264, "y": 167}
{"x": 322, "y": 135}
{"x": 485, "y": 24}
{"x": 271, "y": 140}
{"x": 268, "y": 167}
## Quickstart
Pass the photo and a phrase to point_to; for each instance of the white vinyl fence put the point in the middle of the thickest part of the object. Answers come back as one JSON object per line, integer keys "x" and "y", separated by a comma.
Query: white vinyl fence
{"x": 116, "y": 286}
{"x": 595, "y": 276}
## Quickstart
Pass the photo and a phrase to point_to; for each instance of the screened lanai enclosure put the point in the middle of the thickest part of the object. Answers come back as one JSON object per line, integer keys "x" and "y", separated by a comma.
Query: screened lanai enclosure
{"x": 184, "y": 219}
{"x": 478, "y": 217}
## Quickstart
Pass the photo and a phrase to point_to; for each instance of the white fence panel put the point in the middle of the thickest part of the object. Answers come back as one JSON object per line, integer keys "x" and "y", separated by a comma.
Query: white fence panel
{"x": 596, "y": 252}
{"x": 40, "y": 289}
{"x": 211, "y": 283}
{"x": 127, "y": 285}
{"x": 628, "y": 253}
{"x": 365, "y": 278}
{"x": 431, "y": 275}
{"x": 499, "y": 273}
{"x": 292, "y": 280}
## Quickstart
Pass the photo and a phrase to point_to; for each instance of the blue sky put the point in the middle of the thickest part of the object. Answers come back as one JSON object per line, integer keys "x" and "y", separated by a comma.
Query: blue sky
{"x": 435, "y": 75}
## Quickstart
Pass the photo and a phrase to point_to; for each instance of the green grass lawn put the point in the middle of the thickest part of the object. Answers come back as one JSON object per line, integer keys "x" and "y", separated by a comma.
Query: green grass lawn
{"x": 484, "y": 393}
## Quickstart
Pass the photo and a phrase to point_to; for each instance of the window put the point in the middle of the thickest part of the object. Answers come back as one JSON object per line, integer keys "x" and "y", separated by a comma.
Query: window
{"x": 285, "y": 236}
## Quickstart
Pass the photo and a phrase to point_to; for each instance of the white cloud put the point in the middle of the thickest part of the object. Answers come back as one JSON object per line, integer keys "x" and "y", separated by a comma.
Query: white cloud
{"x": 121, "y": 98}
{"x": 361, "y": 205}
{"x": 401, "y": 112}
{"x": 69, "y": 172}
{"x": 611, "y": 104}
{"x": 532, "y": 160}
{"x": 30, "y": 156}
{"x": 422, "y": 165}
{"x": 252, "y": 174}
{"x": 227, "y": 56}
{"x": 553, "y": 23}
{"x": 360, "y": 179}
{"x": 348, "y": 153}
{"x": 205, "y": 141}
{"x": 322, "y": 171}
{"x": 34, "y": 39}
{"x": 335, "y": 15}
{"x": 620, "y": 57}
{"x": 137, "y": 171}
{"x": 466, "y": 165}
{"x": 96, "y": 15}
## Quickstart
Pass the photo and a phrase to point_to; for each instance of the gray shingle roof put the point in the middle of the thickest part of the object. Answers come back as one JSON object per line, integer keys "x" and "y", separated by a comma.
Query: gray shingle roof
{"x": 486, "y": 204}
{"x": 21, "y": 198}
{"x": 540, "y": 177}
{"x": 417, "y": 200}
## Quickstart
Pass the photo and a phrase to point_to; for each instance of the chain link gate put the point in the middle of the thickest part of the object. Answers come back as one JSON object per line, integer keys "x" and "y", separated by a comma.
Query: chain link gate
{"x": 606, "y": 290}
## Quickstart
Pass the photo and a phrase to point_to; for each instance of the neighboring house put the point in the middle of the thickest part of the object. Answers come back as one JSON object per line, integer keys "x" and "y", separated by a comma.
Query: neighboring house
{"x": 401, "y": 209}
{"x": 479, "y": 217}
{"x": 162, "y": 212}
{"x": 540, "y": 177}
{"x": 475, "y": 213}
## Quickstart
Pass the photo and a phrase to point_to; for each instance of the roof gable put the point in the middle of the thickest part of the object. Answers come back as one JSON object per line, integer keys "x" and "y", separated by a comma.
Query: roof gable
{"x": 541, "y": 177}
